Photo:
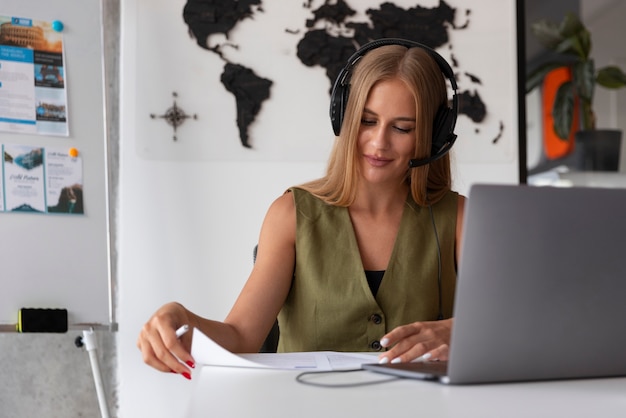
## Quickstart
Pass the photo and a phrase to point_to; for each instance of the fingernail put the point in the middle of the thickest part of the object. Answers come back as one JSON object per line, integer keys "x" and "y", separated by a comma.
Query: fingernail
{"x": 426, "y": 356}
{"x": 383, "y": 360}
{"x": 186, "y": 375}
{"x": 190, "y": 364}
{"x": 396, "y": 360}
{"x": 172, "y": 371}
{"x": 384, "y": 342}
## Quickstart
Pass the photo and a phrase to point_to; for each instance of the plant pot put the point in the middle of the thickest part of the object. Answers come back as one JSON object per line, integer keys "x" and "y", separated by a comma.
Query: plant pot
{"x": 597, "y": 150}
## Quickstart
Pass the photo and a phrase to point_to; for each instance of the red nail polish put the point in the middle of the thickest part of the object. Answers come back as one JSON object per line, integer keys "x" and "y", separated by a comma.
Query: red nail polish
{"x": 172, "y": 371}
{"x": 190, "y": 364}
{"x": 186, "y": 375}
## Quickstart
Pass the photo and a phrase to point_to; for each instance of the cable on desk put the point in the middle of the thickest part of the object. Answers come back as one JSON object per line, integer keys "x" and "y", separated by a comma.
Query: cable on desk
{"x": 301, "y": 376}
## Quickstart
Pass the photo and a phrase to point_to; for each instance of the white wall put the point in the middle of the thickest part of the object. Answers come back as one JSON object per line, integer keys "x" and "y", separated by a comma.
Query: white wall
{"x": 186, "y": 231}
{"x": 187, "y": 234}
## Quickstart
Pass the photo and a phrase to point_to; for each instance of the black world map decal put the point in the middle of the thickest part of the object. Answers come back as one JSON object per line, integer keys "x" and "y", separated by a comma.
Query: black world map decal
{"x": 329, "y": 47}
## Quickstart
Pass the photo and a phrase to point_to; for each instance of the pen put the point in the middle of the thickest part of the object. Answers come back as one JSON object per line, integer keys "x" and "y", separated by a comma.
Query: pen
{"x": 182, "y": 330}
{"x": 179, "y": 333}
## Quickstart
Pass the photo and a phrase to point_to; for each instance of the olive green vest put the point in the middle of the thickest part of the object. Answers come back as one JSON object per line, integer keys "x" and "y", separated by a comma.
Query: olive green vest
{"x": 330, "y": 305}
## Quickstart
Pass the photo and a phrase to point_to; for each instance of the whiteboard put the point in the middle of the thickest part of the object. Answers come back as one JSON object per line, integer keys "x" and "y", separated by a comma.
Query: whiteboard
{"x": 60, "y": 261}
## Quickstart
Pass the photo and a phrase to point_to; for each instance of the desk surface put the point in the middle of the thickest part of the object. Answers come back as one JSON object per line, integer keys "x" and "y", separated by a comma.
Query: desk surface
{"x": 239, "y": 392}
{"x": 565, "y": 178}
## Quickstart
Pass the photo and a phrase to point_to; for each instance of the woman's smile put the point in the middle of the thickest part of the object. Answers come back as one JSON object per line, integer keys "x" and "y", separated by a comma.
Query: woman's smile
{"x": 377, "y": 161}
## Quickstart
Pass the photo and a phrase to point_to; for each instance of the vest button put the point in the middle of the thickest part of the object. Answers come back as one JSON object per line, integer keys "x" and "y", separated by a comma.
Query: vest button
{"x": 376, "y": 345}
{"x": 377, "y": 319}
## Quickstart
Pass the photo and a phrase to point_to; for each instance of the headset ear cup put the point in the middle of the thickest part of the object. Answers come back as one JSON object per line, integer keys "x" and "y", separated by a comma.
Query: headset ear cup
{"x": 338, "y": 102}
{"x": 442, "y": 127}
{"x": 335, "y": 112}
{"x": 345, "y": 91}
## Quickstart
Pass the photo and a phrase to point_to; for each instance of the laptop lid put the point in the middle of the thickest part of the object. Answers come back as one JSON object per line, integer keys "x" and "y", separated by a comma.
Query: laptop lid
{"x": 541, "y": 289}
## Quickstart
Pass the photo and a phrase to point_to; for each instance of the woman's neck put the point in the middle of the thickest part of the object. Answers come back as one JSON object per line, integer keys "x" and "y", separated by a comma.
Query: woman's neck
{"x": 382, "y": 199}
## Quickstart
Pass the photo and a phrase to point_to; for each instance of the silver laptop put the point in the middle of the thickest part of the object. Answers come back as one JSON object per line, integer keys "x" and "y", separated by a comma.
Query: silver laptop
{"x": 541, "y": 291}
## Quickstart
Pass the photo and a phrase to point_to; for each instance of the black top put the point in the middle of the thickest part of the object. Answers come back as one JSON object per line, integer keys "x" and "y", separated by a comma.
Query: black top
{"x": 374, "y": 278}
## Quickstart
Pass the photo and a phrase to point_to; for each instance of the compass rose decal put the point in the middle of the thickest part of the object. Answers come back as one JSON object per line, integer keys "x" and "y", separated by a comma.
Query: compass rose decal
{"x": 174, "y": 116}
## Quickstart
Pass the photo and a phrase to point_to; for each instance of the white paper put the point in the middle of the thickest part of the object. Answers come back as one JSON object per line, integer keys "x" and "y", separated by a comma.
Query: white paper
{"x": 207, "y": 352}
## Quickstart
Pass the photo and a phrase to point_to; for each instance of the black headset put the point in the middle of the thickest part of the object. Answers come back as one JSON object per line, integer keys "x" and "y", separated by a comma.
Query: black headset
{"x": 445, "y": 119}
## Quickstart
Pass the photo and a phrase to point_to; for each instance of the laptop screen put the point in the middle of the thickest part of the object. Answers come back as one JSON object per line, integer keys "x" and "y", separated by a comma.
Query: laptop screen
{"x": 541, "y": 284}
{"x": 540, "y": 289}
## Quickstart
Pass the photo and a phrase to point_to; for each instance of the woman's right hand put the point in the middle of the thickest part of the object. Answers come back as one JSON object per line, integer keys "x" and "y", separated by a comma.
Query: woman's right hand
{"x": 158, "y": 343}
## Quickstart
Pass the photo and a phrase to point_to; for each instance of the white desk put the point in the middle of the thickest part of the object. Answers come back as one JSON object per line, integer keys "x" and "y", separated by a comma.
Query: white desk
{"x": 564, "y": 178}
{"x": 595, "y": 179}
{"x": 236, "y": 392}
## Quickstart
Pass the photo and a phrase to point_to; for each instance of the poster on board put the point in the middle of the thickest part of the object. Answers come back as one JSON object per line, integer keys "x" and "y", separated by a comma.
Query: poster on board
{"x": 32, "y": 77}
{"x": 41, "y": 180}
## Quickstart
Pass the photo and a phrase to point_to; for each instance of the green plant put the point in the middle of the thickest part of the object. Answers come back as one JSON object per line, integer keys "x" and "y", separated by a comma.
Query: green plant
{"x": 571, "y": 42}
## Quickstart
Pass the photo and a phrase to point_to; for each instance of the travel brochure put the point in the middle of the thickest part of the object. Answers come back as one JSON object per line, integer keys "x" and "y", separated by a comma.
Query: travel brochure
{"x": 33, "y": 97}
{"x": 41, "y": 180}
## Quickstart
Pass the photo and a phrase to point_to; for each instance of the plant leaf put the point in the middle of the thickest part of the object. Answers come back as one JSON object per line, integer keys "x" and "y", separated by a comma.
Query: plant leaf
{"x": 570, "y": 25}
{"x": 584, "y": 78}
{"x": 563, "y": 110}
{"x": 535, "y": 78}
{"x": 611, "y": 77}
{"x": 570, "y": 37}
{"x": 585, "y": 42}
{"x": 547, "y": 33}
{"x": 571, "y": 46}
{"x": 576, "y": 38}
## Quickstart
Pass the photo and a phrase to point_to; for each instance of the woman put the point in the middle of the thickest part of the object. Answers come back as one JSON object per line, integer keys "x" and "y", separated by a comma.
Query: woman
{"x": 363, "y": 259}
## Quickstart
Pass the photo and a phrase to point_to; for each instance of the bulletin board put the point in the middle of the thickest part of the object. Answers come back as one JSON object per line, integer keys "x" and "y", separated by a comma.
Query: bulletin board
{"x": 55, "y": 246}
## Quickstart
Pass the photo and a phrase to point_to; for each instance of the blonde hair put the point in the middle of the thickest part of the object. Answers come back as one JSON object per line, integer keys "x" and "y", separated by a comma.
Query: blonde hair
{"x": 422, "y": 76}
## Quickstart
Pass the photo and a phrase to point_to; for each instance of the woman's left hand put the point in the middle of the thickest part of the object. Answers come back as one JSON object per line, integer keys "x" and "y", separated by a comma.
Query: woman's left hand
{"x": 426, "y": 340}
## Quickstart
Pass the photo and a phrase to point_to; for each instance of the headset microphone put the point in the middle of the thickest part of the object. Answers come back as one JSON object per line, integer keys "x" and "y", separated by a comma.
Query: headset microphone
{"x": 440, "y": 153}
